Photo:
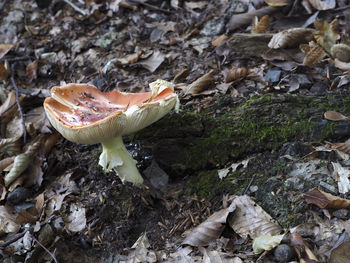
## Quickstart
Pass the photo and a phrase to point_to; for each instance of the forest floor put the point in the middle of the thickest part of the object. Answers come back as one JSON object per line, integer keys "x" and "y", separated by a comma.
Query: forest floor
{"x": 254, "y": 167}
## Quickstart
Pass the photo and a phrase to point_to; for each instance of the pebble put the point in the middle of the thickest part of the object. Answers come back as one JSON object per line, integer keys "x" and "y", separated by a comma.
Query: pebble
{"x": 284, "y": 253}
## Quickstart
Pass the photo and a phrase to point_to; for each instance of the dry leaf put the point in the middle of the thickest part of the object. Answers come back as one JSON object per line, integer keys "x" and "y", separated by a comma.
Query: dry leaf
{"x": 301, "y": 248}
{"x": 334, "y": 116}
{"x": 342, "y": 146}
{"x": 326, "y": 34}
{"x": 249, "y": 219}
{"x": 27, "y": 216}
{"x": 341, "y": 175}
{"x": 76, "y": 220}
{"x": 210, "y": 229}
{"x": 4, "y": 48}
{"x": 181, "y": 75}
{"x": 239, "y": 20}
{"x": 200, "y": 84}
{"x": 341, "y": 254}
{"x": 325, "y": 200}
{"x": 261, "y": 26}
{"x": 322, "y": 4}
{"x": 266, "y": 243}
{"x": 236, "y": 73}
{"x": 31, "y": 70}
{"x": 129, "y": 59}
{"x": 4, "y": 70}
{"x": 277, "y": 3}
{"x": 291, "y": 37}
{"x": 153, "y": 62}
{"x": 10, "y": 146}
{"x": 7, "y": 223}
{"x": 341, "y": 52}
{"x": 218, "y": 40}
{"x": 342, "y": 65}
{"x": 9, "y": 102}
{"x": 314, "y": 56}
{"x": 21, "y": 163}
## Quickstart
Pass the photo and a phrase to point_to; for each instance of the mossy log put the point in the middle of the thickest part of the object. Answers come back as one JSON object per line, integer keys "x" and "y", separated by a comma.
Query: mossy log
{"x": 187, "y": 142}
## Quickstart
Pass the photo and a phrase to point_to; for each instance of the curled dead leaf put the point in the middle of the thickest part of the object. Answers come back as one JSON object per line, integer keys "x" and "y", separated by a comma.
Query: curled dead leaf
{"x": 249, "y": 219}
{"x": 342, "y": 65}
{"x": 266, "y": 243}
{"x": 325, "y": 200}
{"x": 10, "y": 146}
{"x": 210, "y": 229}
{"x": 236, "y": 73}
{"x": 291, "y": 37}
{"x": 7, "y": 223}
{"x": 76, "y": 220}
{"x": 322, "y": 5}
{"x": 200, "y": 84}
{"x": 334, "y": 116}
{"x": 341, "y": 52}
{"x": 153, "y": 62}
{"x": 301, "y": 248}
{"x": 129, "y": 59}
{"x": 181, "y": 75}
{"x": 342, "y": 146}
{"x": 4, "y": 48}
{"x": 6, "y": 162}
{"x": 261, "y": 26}
{"x": 314, "y": 56}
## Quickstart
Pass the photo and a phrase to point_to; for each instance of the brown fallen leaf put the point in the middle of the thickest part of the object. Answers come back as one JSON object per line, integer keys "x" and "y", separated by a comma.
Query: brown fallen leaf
{"x": 218, "y": 40}
{"x": 183, "y": 74}
{"x": 6, "y": 162}
{"x": 129, "y": 59}
{"x": 341, "y": 146}
{"x": 4, "y": 70}
{"x": 236, "y": 73}
{"x": 341, "y": 254}
{"x": 249, "y": 219}
{"x": 31, "y": 70}
{"x": 27, "y": 216}
{"x": 302, "y": 249}
{"x": 210, "y": 229}
{"x": 7, "y": 223}
{"x": 334, "y": 116}
{"x": 4, "y": 48}
{"x": 341, "y": 52}
{"x": 200, "y": 84}
{"x": 291, "y": 37}
{"x": 325, "y": 200}
{"x": 314, "y": 56}
{"x": 261, "y": 26}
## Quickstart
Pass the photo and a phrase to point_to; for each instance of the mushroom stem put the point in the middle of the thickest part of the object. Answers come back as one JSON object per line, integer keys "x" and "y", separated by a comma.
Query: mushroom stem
{"x": 116, "y": 157}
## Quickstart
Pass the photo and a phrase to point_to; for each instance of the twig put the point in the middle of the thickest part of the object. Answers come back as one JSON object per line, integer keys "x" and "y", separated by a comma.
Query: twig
{"x": 250, "y": 183}
{"x": 151, "y": 6}
{"x": 17, "y": 101}
{"x": 48, "y": 251}
{"x": 14, "y": 238}
{"x": 15, "y": 59}
{"x": 81, "y": 11}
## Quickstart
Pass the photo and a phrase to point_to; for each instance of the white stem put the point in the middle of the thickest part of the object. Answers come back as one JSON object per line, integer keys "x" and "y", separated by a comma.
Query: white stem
{"x": 115, "y": 156}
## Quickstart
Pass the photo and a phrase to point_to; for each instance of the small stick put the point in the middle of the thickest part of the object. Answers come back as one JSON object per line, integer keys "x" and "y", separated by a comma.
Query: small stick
{"x": 14, "y": 238}
{"x": 48, "y": 251}
{"x": 17, "y": 101}
{"x": 16, "y": 59}
{"x": 81, "y": 11}
{"x": 250, "y": 183}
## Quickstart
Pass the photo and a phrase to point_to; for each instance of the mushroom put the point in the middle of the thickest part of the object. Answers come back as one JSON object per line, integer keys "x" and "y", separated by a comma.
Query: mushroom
{"x": 84, "y": 114}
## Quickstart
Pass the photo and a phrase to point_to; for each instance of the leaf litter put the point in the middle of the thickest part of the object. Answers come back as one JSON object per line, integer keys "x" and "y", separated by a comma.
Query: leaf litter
{"x": 209, "y": 63}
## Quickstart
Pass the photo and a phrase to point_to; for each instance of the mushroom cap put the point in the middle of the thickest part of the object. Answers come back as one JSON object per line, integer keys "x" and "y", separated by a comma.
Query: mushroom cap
{"x": 84, "y": 114}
